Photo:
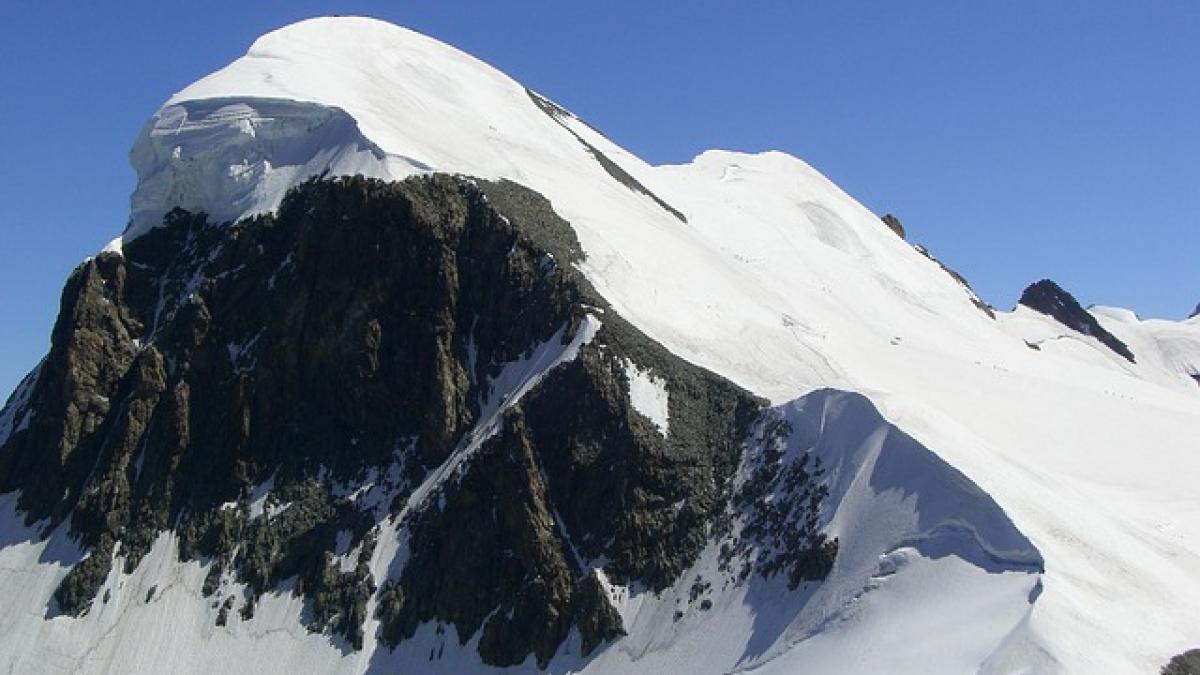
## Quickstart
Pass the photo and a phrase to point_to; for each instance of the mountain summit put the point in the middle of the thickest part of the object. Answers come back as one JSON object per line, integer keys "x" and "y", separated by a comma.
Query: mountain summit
{"x": 401, "y": 366}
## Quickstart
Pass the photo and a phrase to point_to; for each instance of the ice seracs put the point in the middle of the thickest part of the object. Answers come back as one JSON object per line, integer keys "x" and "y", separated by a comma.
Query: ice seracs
{"x": 232, "y": 158}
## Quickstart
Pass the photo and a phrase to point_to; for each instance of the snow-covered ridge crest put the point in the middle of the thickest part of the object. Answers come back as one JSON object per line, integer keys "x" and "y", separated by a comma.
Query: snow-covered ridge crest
{"x": 342, "y": 96}
{"x": 911, "y": 529}
{"x": 749, "y": 229}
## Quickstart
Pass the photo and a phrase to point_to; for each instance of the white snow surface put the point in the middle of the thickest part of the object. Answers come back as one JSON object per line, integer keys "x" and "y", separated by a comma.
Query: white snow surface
{"x": 924, "y": 553}
{"x": 649, "y": 396}
{"x": 779, "y": 281}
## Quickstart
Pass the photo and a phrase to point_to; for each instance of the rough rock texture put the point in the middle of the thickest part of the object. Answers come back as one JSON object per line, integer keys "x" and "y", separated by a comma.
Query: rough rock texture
{"x": 962, "y": 281}
{"x": 1049, "y": 298}
{"x": 893, "y": 224}
{"x": 559, "y": 114}
{"x": 1187, "y": 663}
{"x": 1195, "y": 312}
{"x": 779, "y": 503}
{"x": 244, "y": 384}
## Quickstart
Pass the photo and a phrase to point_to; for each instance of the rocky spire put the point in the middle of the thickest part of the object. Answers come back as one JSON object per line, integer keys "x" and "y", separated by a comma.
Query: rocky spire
{"x": 1050, "y": 299}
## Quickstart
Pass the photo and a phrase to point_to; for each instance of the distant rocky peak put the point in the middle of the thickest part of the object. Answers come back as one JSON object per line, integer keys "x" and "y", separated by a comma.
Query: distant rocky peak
{"x": 1050, "y": 299}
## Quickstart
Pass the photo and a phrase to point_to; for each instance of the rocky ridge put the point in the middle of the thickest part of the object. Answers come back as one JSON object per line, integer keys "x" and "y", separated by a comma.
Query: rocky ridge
{"x": 281, "y": 390}
{"x": 1050, "y": 299}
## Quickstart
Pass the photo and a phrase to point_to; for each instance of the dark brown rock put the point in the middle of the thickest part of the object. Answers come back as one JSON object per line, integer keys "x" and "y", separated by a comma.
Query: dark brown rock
{"x": 356, "y": 333}
{"x": 962, "y": 281}
{"x": 598, "y": 621}
{"x": 1187, "y": 663}
{"x": 893, "y": 224}
{"x": 1050, "y": 299}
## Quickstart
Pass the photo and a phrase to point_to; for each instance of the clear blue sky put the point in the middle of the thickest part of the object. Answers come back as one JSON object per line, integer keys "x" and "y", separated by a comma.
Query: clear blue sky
{"x": 1017, "y": 140}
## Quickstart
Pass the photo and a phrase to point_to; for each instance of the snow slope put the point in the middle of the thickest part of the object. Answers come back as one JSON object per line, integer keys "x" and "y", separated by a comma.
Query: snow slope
{"x": 1168, "y": 347}
{"x": 759, "y": 268}
{"x": 924, "y": 553}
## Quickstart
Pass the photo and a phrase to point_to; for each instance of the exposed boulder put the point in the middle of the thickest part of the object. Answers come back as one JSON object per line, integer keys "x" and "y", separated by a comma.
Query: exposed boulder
{"x": 893, "y": 224}
{"x": 1050, "y": 299}
{"x": 1187, "y": 663}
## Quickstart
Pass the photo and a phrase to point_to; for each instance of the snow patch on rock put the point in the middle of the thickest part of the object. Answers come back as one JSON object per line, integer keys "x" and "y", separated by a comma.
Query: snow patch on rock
{"x": 649, "y": 396}
{"x": 14, "y": 416}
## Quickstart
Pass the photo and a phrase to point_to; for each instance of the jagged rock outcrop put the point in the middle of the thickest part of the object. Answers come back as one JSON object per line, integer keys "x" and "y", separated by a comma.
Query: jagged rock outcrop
{"x": 962, "y": 281}
{"x": 1195, "y": 312}
{"x": 893, "y": 224}
{"x": 1187, "y": 663}
{"x": 779, "y": 533}
{"x": 1050, "y": 299}
{"x": 244, "y": 384}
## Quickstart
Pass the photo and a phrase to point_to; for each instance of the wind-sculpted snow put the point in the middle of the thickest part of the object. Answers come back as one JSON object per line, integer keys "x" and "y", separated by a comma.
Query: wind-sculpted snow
{"x": 931, "y": 575}
{"x": 872, "y": 466}
{"x": 902, "y": 516}
{"x": 1172, "y": 346}
{"x": 233, "y": 158}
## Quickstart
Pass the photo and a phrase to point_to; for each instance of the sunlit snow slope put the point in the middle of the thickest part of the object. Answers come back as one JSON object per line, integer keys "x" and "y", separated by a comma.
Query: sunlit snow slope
{"x": 762, "y": 270}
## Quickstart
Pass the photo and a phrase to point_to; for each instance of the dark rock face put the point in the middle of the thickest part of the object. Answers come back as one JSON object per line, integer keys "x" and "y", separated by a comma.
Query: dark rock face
{"x": 1195, "y": 312}
{"x": 243, "y": 384}
{"x": 1048, "y": 298}
{"x": 1187, "y": 663}
{"x": 897, "y": 227}
{"x": 558, "y": 114}
{"x": 893, "y": 224}
{"x": 780, "y": 532}
{"x": 962, "y": 281}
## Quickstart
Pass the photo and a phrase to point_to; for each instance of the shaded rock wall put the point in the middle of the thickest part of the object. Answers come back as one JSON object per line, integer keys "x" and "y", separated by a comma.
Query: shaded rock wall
{"x": 1050, "y": 299}
{"x": 242, "y": 384}
{"x": 1187, "y": 663}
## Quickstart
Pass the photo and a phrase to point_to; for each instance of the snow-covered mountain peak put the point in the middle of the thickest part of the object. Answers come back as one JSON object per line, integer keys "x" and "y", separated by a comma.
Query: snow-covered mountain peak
{"x": 993, "y": 427}
{"x": 358, "y": 45}
{"x": 351, "y": 95}
{"x": 343, "y": 95}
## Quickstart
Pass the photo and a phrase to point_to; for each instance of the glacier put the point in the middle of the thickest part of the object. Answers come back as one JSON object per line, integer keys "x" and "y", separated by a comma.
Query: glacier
{"x": 1061, "y": 477}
